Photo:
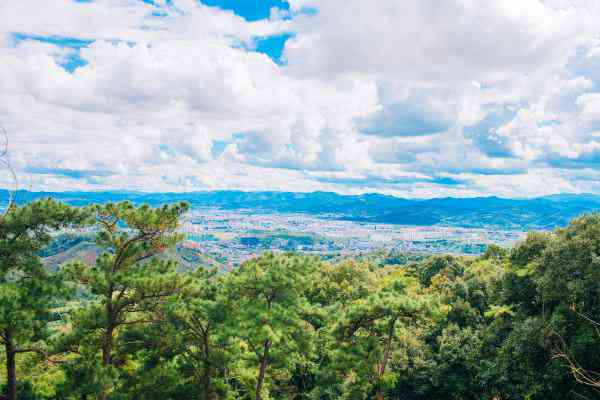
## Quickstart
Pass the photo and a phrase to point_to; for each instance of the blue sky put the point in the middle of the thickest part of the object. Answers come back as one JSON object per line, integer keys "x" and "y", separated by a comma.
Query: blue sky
{"x": 252, "y": 10}
{"x": 72, "y": 60}
{"x": 273, "y": 46}
{"x": 341, "y": 95}
{"x": 249, "y": 9}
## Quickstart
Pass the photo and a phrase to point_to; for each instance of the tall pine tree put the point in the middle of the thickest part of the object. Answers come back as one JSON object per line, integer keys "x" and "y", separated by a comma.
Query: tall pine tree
{"x": 268, "y": 298}
{"x": 27, "y": 288}
{"x": 128, "y": 284}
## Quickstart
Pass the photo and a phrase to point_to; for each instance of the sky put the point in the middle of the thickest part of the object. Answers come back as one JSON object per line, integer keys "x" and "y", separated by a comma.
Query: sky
{"x": 414, "y": 98}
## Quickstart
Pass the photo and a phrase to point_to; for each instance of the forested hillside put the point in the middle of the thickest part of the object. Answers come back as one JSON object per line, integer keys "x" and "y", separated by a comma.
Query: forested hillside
{"x": 511, "y": 324}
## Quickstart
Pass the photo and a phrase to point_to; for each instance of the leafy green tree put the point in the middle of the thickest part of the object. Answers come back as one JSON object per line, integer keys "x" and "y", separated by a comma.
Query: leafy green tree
{"x": 457, "y": 357}
{"x": 454, "y": 349}
{"x": 495, "y": 252}
{"x": 198, "y": 335}
{"x": 335, "y": 287}
{"x": 370, "y": 331}
{"x": 128, "y": 284}
{"x": 440, "y": 264}
{"x": 529, "y": 249}
{"x": 551, "y": 282}
{"x": 568, "y": 279}
{"x": 191, "y": 354}
{"x": 267, "y": 296}
{"x": 27, "y": 288}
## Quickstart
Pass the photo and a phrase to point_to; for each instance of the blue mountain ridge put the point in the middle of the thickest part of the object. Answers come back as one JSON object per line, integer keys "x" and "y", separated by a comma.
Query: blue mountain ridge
{"x": 474, "y": 212}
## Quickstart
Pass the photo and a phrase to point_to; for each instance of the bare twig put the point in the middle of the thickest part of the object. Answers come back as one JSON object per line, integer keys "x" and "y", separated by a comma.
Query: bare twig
{"x": 583, "y": 376}
{"x": 5, "y": 163}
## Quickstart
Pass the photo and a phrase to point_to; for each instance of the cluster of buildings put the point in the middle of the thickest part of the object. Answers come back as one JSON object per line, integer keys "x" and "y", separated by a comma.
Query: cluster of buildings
{"x": 230, "y": 237}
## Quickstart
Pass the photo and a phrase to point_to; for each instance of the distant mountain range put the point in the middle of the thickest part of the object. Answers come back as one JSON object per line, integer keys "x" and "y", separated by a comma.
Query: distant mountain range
{"x": 486, "y": 212}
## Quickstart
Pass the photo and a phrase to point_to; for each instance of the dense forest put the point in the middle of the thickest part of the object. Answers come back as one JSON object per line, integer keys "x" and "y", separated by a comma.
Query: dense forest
{"x": 511, "y": 324}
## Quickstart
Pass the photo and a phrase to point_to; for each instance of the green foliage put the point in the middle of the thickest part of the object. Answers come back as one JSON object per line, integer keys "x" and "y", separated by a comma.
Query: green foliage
{"x": 495, "y": 252}
{"x": 369, "y": 331}
{"x": 198, "y": 333}
{"x": 27, "y": 289}
{"x": 446, "y": 265}
{"x": 128, "y": 283}
{"x": 528, "y": 250}
{"x": 509, "y": 325}
{"x": 267, "y": 295}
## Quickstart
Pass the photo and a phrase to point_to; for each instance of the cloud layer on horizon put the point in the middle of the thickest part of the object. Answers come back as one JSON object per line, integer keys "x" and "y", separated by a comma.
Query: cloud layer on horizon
{"x": 417, "y": 98}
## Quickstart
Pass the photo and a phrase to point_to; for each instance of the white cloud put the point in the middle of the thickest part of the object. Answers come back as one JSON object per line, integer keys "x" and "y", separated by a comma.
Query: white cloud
{"x": 414, "y": 98}
{"x": 438, "y": 40}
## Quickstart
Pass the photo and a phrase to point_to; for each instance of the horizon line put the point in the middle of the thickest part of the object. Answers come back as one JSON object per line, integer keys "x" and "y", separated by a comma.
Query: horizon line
{"x": 137, "y": 192}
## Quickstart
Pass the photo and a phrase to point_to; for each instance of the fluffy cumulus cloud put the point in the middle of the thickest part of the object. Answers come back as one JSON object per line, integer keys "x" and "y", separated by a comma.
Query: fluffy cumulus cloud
{"x": 416, "y": 98}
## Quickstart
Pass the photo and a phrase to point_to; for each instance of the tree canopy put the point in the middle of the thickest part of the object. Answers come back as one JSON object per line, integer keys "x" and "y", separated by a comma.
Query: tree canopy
{"x": 511, "y": 324}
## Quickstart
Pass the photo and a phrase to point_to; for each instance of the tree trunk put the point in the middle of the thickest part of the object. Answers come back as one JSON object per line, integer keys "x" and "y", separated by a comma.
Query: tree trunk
{"x": 107, "y": 346}
{"x": 208, "y": 392}
{"x": 264, "y": 361}
{"x": 107, "y": 342}
{"x": 11, "y": 366}
{"x": 386, "y": 357}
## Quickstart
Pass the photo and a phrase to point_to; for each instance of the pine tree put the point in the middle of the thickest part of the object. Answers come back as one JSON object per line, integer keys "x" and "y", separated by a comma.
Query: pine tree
{"x": 128, "y": 284}
{"x": 197, "y": 334}
{"x": 267, "y": 295}
{"x": 27, "y": 288}
{"x": 368, "y": 333}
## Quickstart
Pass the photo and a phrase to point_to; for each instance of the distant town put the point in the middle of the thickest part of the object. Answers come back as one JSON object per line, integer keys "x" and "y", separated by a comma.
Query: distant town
{"x": 230, "y": 237}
